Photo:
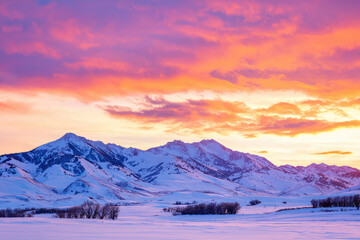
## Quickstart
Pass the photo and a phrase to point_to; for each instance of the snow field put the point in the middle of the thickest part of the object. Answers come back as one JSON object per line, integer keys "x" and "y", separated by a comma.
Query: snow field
{"x": 149, "y": 222}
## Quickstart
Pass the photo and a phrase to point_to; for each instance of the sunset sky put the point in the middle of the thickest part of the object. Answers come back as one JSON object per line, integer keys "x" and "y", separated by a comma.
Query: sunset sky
{"x": 280, "y": 79}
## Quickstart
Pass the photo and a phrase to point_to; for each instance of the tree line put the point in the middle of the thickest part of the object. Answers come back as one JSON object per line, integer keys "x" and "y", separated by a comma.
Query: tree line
{"x": 206, "y": 209}
{"x": 11, "y": 213}
{"x": 27, "y": 212}
{"x": 90, "y": 210}
{"x": 338, "y": 201}
{"x": 87, "y": 209}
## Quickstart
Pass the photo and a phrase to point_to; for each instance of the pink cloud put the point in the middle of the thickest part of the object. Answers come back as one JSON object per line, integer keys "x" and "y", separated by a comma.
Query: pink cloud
{"x": 11, "y": 28}
{"x": 132, "y": 44}
{"x": 30, "y": 48}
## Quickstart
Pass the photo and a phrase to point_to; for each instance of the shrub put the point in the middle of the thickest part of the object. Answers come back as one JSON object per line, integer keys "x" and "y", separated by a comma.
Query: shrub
{"x": 206, "y": 209}
{"x": 169, "y": 209}
{"x": 289, "y": 209}
{"x": 254, "y": 202}
{"x": 184, "y": 203}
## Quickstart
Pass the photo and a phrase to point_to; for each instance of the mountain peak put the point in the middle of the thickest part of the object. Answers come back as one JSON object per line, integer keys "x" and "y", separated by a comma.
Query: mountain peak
{"x": 209, "y": 141}
{"x": 64, "y": 141}
{"x": 211, "y": 145}
{"x": 176, "y": 143}
{"x": 70, "y": 136}
{"x": 205, "y": 141}
{"x": 320, "y": 166}
{"x": 169, "y": 146}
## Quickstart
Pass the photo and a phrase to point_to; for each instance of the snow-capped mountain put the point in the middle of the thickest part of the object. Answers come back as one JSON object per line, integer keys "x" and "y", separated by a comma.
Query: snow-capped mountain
{"x": 74, "y": 168}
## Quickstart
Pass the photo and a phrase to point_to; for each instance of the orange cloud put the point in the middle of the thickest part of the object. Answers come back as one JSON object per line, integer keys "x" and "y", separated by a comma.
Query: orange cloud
{"x": 183, "y": 112}
{"x": 201, "y": 116}
{"x": 333, "y": 152}
{"x": 283, "y": 108}
{"x": 15, "y": 107}
{"x": 156, "y": 48}
{"x": 296, "y": 126}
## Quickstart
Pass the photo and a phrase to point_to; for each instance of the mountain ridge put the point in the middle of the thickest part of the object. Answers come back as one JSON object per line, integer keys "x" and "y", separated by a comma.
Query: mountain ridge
{"x": 73, "y": 167}
{"x": 175, "y": 140}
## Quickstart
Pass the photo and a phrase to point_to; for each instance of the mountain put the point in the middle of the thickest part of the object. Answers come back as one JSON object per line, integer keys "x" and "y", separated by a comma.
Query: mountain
{"x": 73, "y": 169}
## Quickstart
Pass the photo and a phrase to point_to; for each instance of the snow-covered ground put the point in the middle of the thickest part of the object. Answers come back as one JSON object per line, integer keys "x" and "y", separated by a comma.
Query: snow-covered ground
{"x": 149, "y": 222}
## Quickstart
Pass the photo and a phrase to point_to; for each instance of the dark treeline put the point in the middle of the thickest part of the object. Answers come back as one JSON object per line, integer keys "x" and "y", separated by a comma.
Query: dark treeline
{"x": 338, "y": 201}
{"x": 45, "y": 210}
{"x": 206, "y": 209}
{"x": 26, "y": 212}
{"x": 90, "y": 210}
{"x": 184, "y": 203}
{"x": 86, "y": 210}
{"x": 17, "y": 212}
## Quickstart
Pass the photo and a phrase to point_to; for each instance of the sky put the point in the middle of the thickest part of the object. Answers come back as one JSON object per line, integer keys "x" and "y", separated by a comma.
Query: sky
{"x": 276, "y": 78}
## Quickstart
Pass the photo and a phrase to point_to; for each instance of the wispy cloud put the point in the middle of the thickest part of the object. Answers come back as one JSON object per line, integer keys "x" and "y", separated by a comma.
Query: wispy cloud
{"x": 201, "y": 116}
{"x": 263, "y": 152}
{"x": 14, "y": 107}
{"x": 333, "y": 153}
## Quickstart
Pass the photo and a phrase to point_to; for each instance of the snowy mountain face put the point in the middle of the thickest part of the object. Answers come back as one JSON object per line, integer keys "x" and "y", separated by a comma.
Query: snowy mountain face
{"x": 73, "y": 169}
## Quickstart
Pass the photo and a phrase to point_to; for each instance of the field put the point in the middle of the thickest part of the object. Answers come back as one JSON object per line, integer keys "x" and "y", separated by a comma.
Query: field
{"x": 148, "y": 221}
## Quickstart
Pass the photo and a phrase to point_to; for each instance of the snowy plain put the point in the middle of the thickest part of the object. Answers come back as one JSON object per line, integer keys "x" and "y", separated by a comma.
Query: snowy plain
{"x": 148, "y": 221}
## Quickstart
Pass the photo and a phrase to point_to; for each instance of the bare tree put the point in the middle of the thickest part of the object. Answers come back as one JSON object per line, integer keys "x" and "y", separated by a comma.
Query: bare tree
{"x": 104, "y": 213}
{"x": 96, "y": 210}
{"x": 314, "y": 203}
{"x": 88, "y": 208}
{"x": 356, "y": 200}
{"x": 113, "y": 211}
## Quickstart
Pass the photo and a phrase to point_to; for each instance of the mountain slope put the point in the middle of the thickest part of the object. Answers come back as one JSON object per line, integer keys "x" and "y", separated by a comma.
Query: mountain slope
{"x": 72, "y": 169}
